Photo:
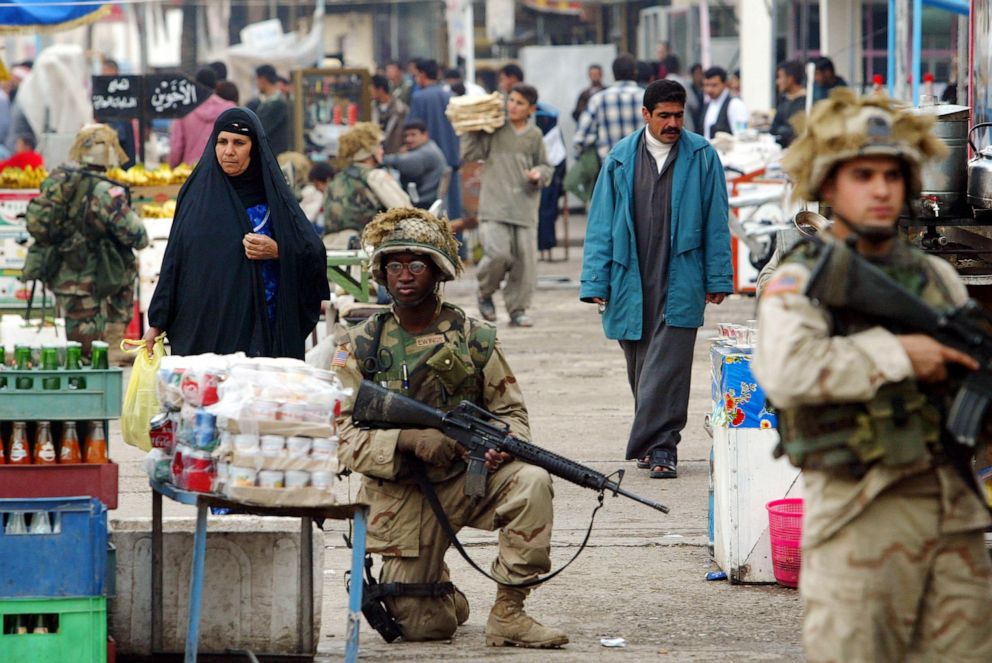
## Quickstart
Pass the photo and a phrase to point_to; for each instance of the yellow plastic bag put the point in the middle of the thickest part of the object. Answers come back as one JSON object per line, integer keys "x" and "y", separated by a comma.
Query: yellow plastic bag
{"x": 141, "y": 400}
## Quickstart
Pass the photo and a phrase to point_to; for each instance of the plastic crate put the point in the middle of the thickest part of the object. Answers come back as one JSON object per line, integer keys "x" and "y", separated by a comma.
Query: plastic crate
{"x": 101, "y": 399}
{"x": 79, "y": 630}
{"x": 34, "y": 481}
{"x": 69, "y": 562}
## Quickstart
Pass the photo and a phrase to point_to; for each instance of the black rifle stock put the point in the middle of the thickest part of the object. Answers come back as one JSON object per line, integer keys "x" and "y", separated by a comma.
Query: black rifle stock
{"x": 477, "y": 431}
{"x": 842, "y": 279}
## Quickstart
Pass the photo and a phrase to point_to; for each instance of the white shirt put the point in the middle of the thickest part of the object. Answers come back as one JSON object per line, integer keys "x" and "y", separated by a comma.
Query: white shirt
{"x": 736, "y": 113}
{"x": 657, "y": 149}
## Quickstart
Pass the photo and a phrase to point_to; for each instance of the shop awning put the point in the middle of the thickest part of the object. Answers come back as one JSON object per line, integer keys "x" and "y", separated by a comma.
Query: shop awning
{"x": 33, "y": 16}
{"x": 567, "y": 7}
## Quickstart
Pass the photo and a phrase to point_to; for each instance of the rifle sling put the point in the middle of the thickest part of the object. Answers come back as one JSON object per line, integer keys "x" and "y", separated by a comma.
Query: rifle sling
{"x": 427, "y": 488}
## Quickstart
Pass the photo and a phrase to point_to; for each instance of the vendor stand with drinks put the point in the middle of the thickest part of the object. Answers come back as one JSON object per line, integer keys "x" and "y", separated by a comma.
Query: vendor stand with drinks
{"x": 254, "y": 437}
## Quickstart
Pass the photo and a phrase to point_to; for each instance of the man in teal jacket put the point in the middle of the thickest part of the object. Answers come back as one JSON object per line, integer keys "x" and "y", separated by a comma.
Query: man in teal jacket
{"x": 657, "y": 250}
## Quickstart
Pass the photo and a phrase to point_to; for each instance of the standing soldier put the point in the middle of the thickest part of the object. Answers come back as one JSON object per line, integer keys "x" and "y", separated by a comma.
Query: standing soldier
{"x": 429, "y": 350}
{"x": 85, "y": 234}
{"x": 894, "y": 565}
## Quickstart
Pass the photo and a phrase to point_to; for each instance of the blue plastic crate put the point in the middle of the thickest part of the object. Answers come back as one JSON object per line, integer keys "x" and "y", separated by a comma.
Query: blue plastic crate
{"x": 69, "y": 562}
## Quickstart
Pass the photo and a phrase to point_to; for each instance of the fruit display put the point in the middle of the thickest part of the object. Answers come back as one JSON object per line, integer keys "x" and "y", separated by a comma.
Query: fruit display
{"x": 22, "y": 178}
{"x": 166, "y": 210}
{"x": 138, "y": 175}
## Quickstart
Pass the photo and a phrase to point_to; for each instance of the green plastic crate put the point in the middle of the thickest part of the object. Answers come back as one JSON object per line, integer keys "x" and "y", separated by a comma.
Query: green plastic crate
{"x": 101, "y": 399}
{"x": 81, "y": 635}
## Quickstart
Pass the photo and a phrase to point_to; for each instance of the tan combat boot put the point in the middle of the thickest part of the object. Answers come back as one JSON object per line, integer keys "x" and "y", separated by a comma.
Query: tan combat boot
{"x": 510, "y": 626}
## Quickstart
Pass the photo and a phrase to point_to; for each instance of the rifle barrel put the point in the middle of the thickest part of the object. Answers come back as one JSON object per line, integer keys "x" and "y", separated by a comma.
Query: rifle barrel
{"x": 613, "y": 488}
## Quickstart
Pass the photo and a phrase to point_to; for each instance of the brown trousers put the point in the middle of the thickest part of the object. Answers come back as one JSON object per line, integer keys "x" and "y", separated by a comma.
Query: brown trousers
{"x": 517, "y": 502}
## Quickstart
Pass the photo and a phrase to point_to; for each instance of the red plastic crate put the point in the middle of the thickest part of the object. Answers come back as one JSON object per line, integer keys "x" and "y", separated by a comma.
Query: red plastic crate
{"x": 28, "y": 481}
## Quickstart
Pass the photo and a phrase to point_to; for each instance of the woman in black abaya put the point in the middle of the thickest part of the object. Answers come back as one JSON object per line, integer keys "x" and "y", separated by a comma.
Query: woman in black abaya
{"x": 244, "y": 269}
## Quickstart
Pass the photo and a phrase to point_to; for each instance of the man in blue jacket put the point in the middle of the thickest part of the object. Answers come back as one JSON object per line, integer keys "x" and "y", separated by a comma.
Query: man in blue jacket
{"x": 657, "y": 250}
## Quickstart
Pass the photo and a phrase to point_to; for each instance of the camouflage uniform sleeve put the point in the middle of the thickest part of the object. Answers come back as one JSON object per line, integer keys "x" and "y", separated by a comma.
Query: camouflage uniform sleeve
{"x": 949, "y": 277}
{"x": 502, "y": 395}
{"x": 370, "y": 452}
{"x": 110, "y": 204}
{"x": 798, "y": 361}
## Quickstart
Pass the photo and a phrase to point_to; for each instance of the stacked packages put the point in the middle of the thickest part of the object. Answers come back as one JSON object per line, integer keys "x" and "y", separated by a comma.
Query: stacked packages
{"x": 476, "y": 112}
{"x": 258, "y": 431}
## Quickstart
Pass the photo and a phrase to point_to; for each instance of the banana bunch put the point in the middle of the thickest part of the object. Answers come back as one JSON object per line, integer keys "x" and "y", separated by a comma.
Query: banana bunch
{"x": 27, "y": 178}
{"x": 138, "y": 175}
{"x": 166, "y": 210}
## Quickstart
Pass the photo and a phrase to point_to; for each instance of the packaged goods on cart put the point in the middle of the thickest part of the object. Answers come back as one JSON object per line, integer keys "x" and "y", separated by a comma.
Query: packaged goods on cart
{"x": 256, "y": 430}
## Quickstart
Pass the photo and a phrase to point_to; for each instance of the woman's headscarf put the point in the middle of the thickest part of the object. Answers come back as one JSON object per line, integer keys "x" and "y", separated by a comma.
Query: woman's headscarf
{"x": 210, "y": 296}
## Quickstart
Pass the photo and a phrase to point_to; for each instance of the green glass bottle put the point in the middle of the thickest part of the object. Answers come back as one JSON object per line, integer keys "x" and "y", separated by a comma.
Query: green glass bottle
{"x": 22, "y": 361}
{"x": 98, "y": 357}
{"x": 74, "y": 362}
{"x": 3, "y": 367}
{"x": 50, "y": 362}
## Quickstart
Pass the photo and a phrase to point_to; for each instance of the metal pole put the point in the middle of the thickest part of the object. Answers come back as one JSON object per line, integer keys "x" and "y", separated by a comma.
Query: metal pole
{"x": 306, "y": 587}
{"x": 704, "y": 33}
{"x": 962, "y": 73}
{"x": 196, "y": 583}
{"x": 469, "y": 42}
{"x": 890, "y": 69}
{"x": 157, "y": 571}
{"x": 355, "y": 580}
{"x": 902, "y": 39}
{"x": 917, "y": 49}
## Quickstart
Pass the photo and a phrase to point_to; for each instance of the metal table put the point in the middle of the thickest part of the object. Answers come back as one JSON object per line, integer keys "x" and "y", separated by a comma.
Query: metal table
{"x": 338, "y": 272}
{"x": 202, "y": 502}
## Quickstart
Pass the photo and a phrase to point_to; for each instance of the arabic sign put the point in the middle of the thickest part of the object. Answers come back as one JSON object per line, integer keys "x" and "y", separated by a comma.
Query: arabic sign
{"x": 151, "y": 96}
{"x": 173, "y": 95}
{"x": 117, "y": 97}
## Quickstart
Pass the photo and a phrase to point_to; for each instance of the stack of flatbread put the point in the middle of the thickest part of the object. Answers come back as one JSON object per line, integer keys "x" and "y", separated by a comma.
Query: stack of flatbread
{"x": 476, "y": 112}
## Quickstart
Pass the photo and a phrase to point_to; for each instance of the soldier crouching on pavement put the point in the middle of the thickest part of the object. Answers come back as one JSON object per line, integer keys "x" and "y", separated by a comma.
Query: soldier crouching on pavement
{"x": 431, "y": 351}
{"x": 85, "y": 234}
{"x": 894, "y": 566}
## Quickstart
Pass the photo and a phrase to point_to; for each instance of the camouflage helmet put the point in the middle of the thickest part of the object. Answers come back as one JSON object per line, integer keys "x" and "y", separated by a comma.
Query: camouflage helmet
{"x": 97, "y": 145}
{"x": 359, "y": 142}
{"x": 845, "y": 127}
{"x": 417, "y": 231}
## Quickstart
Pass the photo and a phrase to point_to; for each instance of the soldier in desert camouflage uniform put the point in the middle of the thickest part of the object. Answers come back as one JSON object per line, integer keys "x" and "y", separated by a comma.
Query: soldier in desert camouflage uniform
{"x": 894, "y": 567}
{"x": 430, "y": 350}
{"x": 89, "y": 232}
{"x": 361, "y": 189}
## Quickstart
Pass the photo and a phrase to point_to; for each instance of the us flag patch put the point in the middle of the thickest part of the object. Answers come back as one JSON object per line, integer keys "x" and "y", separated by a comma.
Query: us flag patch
{"x": 340, "y": 357}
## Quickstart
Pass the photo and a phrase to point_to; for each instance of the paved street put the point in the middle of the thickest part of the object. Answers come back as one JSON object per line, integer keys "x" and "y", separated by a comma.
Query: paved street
{"x": 642, "y": 578}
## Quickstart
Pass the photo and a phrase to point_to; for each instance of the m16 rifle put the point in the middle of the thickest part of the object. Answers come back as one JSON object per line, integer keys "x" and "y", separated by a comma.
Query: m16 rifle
{"x": 843, "y": 280}
{"x": 478, "y": 431}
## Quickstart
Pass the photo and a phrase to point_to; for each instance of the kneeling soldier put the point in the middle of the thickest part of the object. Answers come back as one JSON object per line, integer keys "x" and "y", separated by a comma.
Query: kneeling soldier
{"x": 430, "y": 350}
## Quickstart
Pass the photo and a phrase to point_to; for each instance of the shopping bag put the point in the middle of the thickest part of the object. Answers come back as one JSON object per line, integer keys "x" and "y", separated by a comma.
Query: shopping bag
{"x": 141, "y": 400}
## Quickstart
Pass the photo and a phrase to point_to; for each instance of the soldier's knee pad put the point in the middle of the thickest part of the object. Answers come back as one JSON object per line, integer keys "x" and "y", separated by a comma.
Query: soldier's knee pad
{"x": 426, "y": 619}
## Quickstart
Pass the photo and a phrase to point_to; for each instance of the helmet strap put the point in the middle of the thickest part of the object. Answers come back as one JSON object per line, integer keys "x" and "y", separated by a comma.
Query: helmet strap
{"x": 870, "y": 234}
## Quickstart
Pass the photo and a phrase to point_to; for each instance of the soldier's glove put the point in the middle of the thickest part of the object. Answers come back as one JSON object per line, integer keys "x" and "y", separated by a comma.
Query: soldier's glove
{"x": 431, "y": 446}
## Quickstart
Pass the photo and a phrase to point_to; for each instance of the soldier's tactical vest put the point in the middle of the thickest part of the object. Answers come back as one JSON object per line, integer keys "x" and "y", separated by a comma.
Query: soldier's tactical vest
{"x": 904, "y": 421}
{"x": 351, "y": 202}
{"x": 443, "y": 366}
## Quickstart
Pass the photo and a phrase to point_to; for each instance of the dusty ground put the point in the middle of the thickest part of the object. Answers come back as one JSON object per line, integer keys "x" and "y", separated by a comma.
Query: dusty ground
{"x": 642, "y": 578}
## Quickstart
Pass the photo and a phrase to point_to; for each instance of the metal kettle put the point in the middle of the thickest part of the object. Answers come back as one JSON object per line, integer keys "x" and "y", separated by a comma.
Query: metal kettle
{"x": 980, "y": 173}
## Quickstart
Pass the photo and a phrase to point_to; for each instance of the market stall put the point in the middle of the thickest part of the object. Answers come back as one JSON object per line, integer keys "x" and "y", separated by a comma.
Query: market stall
{"x": 326, "y": 103}
{"x": 744, "y": 474}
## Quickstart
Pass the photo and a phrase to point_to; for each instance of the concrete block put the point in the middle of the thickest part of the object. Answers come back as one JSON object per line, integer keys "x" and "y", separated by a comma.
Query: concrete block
{"x": 251, "y": 593}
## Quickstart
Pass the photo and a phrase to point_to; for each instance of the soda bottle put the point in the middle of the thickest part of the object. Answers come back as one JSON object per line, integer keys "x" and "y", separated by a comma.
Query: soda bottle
{"x": 39, "y": 625}
{"x": 95, "y": 448}
{"x": 16, "y": 523}
{"x": 3, "y": 366}
{"x": 98, "y": 355}
{"x": 20, "y": 452}
{"x": 44, "y": 446}
{"x": 74, "y": 362}
{"x": 22, "y": 359}
{"x": 40, "y": 524}
{"x": 70, "y": 453}
{"x": 50, "y": 362}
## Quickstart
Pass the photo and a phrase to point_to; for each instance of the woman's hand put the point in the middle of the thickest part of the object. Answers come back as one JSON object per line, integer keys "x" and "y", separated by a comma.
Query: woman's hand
{"x": 149, "y": 338}
{"x": 260, "y": 247}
